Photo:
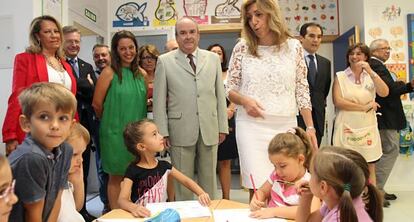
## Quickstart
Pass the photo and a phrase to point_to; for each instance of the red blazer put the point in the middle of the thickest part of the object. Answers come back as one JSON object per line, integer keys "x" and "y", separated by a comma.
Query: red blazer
{"x": 29, "y": 68}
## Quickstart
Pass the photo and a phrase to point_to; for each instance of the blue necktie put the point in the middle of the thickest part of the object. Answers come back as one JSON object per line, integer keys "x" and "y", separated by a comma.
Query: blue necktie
{"x": 311, "y": 70}
{"x": 74, "y": 64}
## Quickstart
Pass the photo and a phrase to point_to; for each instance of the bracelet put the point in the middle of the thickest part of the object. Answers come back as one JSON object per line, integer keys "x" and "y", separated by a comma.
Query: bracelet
{"x": 310, "y": 128}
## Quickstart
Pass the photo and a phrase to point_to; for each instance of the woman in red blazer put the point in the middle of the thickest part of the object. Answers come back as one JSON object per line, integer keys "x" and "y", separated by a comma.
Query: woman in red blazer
{"x": 43, "y": 61}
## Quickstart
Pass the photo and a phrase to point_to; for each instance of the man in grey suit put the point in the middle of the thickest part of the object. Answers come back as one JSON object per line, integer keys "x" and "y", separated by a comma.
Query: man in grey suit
{"x": 190, "y": 107}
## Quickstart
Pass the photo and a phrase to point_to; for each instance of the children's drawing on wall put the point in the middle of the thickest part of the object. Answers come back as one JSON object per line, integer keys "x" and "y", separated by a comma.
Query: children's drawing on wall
{"x": 396, "y": 31}
{"x": 197, "y": 10}
{"x": 398, "y": 57}
{"x": 298, "y": 12}
{"x": 391, "y": 13}
{"x": 375, "y": 32}
{"x": 398, "y": 72}
{"x": 227, "y": 12}
{"x": 131, "y": 14}
{"x": 396, "y": 44}
{"x": 165, "y": 14}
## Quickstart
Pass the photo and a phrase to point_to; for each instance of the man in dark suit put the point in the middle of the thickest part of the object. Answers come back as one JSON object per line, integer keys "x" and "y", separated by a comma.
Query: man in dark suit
{"x": 102, "y": 59}
{"x": 319, "y": 76}
{"x": 392, "y": 119}
{"x": 86, "y": 80}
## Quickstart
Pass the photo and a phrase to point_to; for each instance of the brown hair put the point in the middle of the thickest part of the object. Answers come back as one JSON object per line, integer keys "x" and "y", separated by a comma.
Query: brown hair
{"x": 79, "y": 131}
{"x": 345, "y": 170}
{"x": 115, "y": 57}
{"x": 150, "y": 49}
{"x": 35, "y": 26}
{"x": 224, "y": 63}
{"x": 291, "y": 144}
{"x": 133, "y": 134}
{"x": 47, "y": 92}
{"x": 364, "y": 49}
{"x": 276, "y": 23}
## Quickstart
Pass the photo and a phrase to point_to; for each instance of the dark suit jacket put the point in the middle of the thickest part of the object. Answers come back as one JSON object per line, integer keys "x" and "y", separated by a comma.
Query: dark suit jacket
{"x": 85, "y": 90}
{"x": 391, "y": 108}
{"x": 28, "y": 68}
{"x": 318, "y": 94}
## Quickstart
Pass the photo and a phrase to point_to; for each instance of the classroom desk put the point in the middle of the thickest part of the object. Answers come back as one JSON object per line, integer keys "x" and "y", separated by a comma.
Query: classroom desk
{"x": 215, "y": 204}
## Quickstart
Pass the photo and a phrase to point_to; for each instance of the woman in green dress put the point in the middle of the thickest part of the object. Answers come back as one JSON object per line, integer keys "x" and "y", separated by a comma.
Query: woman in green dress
{"x": 120, "y": 98}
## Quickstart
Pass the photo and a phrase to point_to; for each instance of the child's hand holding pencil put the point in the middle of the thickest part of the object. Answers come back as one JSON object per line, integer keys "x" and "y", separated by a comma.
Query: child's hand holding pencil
{"x": 302, "y": 188}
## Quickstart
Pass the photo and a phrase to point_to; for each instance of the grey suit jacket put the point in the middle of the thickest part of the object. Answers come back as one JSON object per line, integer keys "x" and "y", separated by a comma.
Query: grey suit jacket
{"x": 186, "y": 103}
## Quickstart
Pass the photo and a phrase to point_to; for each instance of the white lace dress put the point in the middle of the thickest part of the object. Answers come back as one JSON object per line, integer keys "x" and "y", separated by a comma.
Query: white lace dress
{"x": 277, "y": 80}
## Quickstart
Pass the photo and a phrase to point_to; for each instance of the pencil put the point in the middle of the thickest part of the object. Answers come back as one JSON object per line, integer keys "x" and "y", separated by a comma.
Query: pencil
{"x": 291, "y": 183}
{"x": 254, "y": 187}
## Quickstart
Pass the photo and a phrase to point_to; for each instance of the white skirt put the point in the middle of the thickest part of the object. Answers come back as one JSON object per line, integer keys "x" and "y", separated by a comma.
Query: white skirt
{"x": 253, "y": 136}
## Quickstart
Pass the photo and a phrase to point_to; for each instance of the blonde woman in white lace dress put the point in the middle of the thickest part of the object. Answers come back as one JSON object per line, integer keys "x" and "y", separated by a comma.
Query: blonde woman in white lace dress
{"x": 267, "y": 79}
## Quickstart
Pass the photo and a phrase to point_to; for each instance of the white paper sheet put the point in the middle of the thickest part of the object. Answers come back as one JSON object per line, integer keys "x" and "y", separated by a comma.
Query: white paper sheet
{"x": 186, "y": 209}
{"x": 236, "y": 215}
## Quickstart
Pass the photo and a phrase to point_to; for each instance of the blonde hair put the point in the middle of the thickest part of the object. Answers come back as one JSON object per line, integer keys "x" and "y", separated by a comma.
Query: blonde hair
{"x": 47, "y": 92}
{"x": 79, "y": 131}
{"x": 35, "y": 27}
{"x": 276, "y": 23}
{"x": 346, "y": 171}
{"x": 291, "y": 144}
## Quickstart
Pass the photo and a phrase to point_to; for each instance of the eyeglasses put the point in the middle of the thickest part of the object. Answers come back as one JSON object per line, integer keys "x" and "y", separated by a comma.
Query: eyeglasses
{"x": 6, "y": 194}
{"x": 386, "y": 48}
{"x": 149, "y": 58}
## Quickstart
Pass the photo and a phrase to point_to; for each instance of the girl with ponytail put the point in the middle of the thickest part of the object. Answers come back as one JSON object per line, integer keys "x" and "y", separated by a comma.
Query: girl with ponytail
{"x": 290, "y": 153}
{"x": 339, "y": 178}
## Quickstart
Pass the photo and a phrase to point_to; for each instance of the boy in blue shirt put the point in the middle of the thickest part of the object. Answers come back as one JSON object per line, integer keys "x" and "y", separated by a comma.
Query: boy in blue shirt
{"x": 41, "y": 163}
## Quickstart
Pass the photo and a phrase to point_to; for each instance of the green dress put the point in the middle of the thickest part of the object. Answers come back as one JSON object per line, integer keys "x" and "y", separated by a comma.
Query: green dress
{"x": 125, "y": 102}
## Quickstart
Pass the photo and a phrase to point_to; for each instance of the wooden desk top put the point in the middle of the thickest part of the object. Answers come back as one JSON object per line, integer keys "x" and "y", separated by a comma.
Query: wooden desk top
{"x": 215, "y": 204}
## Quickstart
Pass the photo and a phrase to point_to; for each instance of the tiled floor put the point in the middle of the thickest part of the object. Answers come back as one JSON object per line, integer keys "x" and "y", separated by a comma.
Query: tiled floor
{"x": 401, "y": 183}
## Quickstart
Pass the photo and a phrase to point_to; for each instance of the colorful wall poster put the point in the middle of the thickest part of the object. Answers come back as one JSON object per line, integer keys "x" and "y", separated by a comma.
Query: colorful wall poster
{"x": 165, "y": 14}
{"x": 298, "y": 12}
{"x": 227, "y": 12}
{"x": 410, "y": 34}
{"x": 131, "y": 14}
{"x": 399, "y": 73}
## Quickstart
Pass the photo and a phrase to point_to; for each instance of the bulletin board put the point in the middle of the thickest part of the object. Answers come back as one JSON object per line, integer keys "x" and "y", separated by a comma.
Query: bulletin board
{"x": 219, "y": 15}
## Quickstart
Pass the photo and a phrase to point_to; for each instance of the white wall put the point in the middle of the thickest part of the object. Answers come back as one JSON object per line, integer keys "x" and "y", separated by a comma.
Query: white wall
{"x": 351, "y": 13}
{"x": 98, "y": 7}
{"x": 21, "y": 13}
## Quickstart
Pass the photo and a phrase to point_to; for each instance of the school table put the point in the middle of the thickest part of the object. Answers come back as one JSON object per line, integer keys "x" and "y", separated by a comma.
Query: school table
{"x": 215, "y": 204}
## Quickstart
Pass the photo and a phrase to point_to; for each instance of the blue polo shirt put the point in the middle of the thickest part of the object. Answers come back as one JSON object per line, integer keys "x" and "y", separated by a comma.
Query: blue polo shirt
{"x": 39, "y": 174}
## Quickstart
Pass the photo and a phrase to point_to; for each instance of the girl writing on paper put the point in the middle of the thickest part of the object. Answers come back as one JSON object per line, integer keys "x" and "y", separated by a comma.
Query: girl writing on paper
{"x": 290, "y": 154}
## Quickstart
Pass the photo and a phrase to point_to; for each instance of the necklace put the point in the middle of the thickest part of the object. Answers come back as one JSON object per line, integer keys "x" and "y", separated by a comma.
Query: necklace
{"x": 54, "y": 62}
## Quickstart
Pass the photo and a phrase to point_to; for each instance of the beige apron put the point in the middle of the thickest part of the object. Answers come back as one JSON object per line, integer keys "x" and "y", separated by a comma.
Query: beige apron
{"x": 358, "y": 130}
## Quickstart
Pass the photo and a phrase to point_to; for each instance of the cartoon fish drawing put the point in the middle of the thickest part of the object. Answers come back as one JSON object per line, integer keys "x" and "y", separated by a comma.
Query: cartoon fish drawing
{"x": 131, "y": 11}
